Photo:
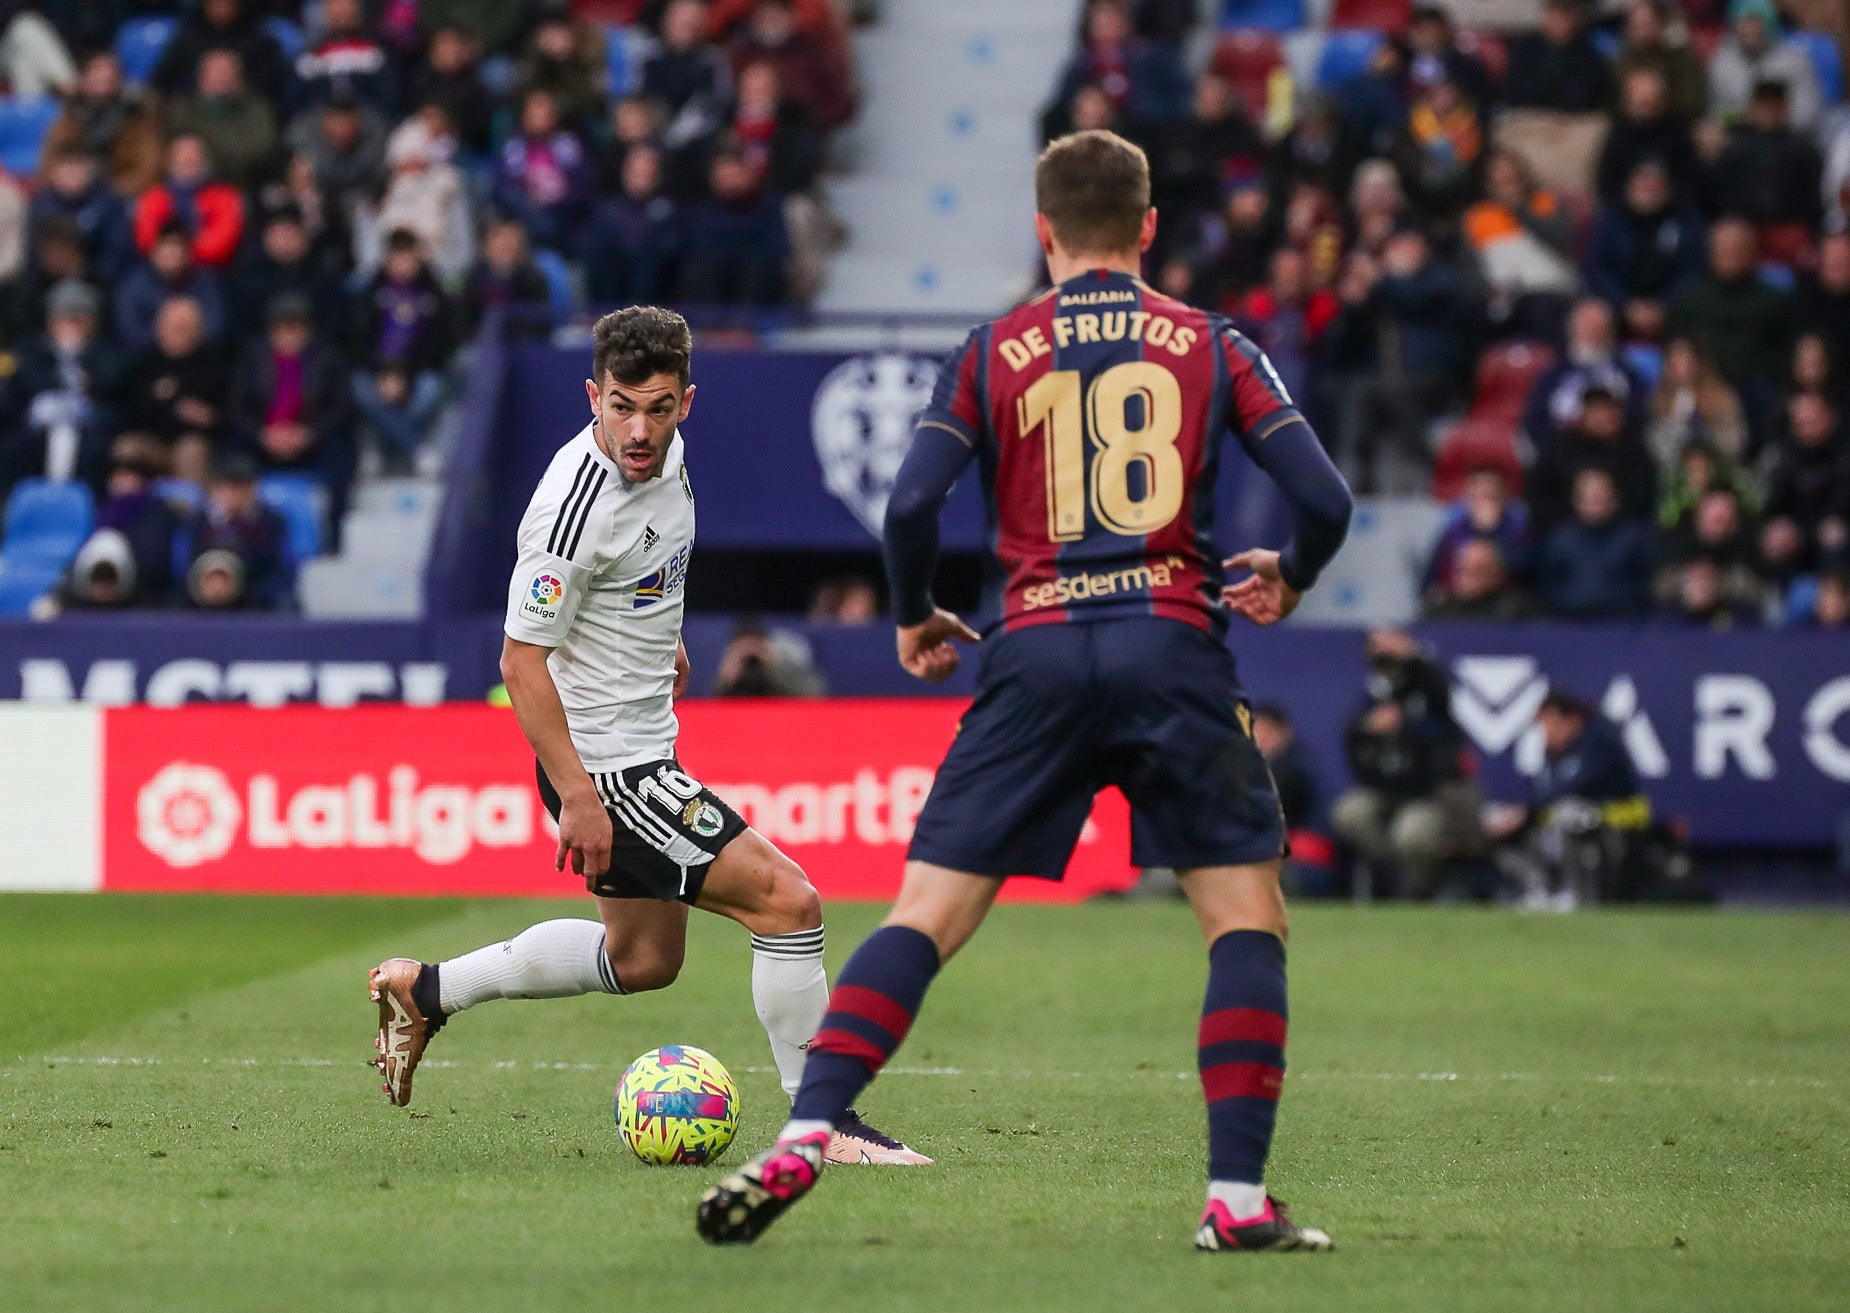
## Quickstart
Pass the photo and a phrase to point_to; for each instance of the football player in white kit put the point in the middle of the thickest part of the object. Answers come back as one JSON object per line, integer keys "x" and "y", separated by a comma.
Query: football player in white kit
{"x": 593, "y": 661}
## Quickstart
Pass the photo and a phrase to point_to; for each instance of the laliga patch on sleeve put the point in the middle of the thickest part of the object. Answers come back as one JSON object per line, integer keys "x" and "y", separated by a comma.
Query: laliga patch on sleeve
{"x": 544, "y": 596}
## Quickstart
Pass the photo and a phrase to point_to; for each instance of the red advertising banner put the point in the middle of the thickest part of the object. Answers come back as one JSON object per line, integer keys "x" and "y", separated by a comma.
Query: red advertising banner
{"x": 401, "y": 800}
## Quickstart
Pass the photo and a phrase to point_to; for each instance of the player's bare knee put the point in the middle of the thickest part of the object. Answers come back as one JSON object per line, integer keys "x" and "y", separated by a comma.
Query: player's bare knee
{"x": 792, "y": 904}
{"x": 641, "y": 971}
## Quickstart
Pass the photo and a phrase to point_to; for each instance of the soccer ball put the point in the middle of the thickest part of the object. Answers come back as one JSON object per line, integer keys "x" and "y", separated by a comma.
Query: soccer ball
{"x": 677, "y": 1104}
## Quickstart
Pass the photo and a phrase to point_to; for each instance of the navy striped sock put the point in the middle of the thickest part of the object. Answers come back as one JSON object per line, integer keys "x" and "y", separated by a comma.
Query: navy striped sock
{"x": 1242, "y": 1051}
{"x": 870, "y": 1011}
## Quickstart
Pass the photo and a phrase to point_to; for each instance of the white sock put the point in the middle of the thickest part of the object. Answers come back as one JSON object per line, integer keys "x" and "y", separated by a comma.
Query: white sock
{"x": 791, "y": 992}
{"x": 1242, "y": 1200}
{"x": 554, "y": 959}
{"x": 796, "y": 1130}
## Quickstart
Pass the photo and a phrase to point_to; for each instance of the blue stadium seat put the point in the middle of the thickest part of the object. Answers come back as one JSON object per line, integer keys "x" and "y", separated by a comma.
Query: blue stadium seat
{"x": 140, "y": 43}
{"x": 1345, "y": 54}
{"x": 1826, "y": 60}
{"x": 23, "y": 124}
{"x": 301, "y": 501}
{"x": 182, "y": 492}
{"x": 618, "y": 62}
{"x": 46, "y": 523}
{"x": 22, "y": 585}
{"x": 288, "y": 37}
{"x": 1646, "y": 360}
{"x": 1270, "y": 15}
{"x": 558, "y": 282}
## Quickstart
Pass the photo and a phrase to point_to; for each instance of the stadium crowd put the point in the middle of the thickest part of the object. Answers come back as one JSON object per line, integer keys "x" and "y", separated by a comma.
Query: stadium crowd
{"x": 241, "y": 238}
{"x": 1587, "y": 283}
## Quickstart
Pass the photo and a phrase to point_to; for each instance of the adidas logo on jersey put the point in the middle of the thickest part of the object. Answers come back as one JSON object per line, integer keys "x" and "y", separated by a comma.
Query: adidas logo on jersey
{"x": 649, "y": 537}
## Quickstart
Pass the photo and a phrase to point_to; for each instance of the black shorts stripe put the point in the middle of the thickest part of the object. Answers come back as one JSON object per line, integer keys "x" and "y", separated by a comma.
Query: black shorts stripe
{"x": 565, "y": 507}
{"x": 584, "y": 516}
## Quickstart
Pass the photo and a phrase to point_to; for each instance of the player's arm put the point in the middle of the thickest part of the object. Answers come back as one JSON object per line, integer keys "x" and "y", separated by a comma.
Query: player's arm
{"x": 939, "y": 454}
{"x": 584, "y": 826}
{"x": 1283, "y": 444}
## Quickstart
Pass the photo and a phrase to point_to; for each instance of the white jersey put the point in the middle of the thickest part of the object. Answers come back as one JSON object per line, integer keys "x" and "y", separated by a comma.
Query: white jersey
{"x": 600, "y": 580}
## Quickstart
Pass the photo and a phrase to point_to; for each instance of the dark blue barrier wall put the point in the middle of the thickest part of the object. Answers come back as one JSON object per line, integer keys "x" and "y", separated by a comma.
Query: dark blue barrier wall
{"x": 1745, "y": 734}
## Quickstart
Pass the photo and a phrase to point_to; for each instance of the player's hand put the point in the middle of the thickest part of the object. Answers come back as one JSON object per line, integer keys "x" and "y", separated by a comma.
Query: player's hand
{"x": 926, "y": 649}
{"x": 1263, "y": 597}
{"x": 584, "y": 834}
{"x": 683, "y": 670}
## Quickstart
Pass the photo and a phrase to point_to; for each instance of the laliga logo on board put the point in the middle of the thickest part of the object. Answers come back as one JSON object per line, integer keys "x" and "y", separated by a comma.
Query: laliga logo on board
{"x": 189, "y": 814}
{"x": 861, "y": 424}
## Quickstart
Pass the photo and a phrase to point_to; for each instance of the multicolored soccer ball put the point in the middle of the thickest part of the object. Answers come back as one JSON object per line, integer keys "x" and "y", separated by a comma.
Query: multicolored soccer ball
{"x": 677, "y": 1104}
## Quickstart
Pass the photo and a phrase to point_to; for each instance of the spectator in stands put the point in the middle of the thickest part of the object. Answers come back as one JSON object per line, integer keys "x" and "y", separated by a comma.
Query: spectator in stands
{"x": 240, "y": 548}
{"x": 451, "y": 76}
{"x": 117, "y": 126}
{"x": 1488, "y": 513}
{"x": 291, "y": 405}
{"x": 1836, "y": 187}
{"x": 1701, "y": 598}
{"x": 850, "y": 601}
{"x": 427, "y": 195}
{"x": 737, "y": 242}
{"x": 1413, "y": 805}
{"x": 1601, "y": 436}
{"x": 1742, "y": 323}
{"x": 1524, "y": 239}
{"x": 690, "y": 78}
{"x": 345, "y": 143}
{"x": 286, "y": 261}
{"x": 176, "y": 392}
{"x": 1558, "y": 68}
{"x": 222, "y": 25}
{"x": 1754, "y": 52}
{"x": 565, "y": 59}
{"x": 1808, "y": 490}
{"x": 635, "y": 120}
{"x": 65, "y": 392}
{"x": 1599, "y": 564}
{"x": 1830, "y": 607}
{"x": 1699, "y": 470}
{"x": 1823, "y": 305}
{"x": 143, "y": 523}
{"x": 776, "y": 134}
{"x": 1310, "y": 867}
{"x": 55, "y": 253}
{"x": 1317, "y": 149}
{"x": 767, "y": 664}
{"x": 1377, "y": 206}
{"x": 1144, "y": 79}
{"x": 169, "y": 271}
{"x": 1434, "y": 54}
{"x": 1481, "y": 588}
{"x": 212, "y": 212}
{"x": 1815, "y": 368}
{"x": 236, "y": 124}
{"x": 1374, "y": 103}
{"x": 1768, "y": 172}
{"x": 802, "y": 58}
{"x": 404, "y": 335}
{"x": 1287, "y": 318}
{"x": 13, "y": 226}
{"x": 635, "y": 239}
{"x": 1196, "y": 158}
{"x": 347, "y": 60}
{"x": 1694, "y": 404}
{"x": 1645, "y": 129}
{"x": 494, "y": 23}
{"x": 1440, "y": 150}
{"x": 72, "y": 188}
{"x": 506, "y": 276}
{"x": 1589, "y": 359}
{"x": 1645, "y": 251}
{"x": 1648, "y": 44}
{"x": 1233, "y": 252}
{"x": 545, "y": 176}
{"x": 34, "y": 59}
{"x": 1716, "y": 529}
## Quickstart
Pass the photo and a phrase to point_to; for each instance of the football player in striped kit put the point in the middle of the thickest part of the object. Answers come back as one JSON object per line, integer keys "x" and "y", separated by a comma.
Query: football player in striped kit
{"x": 593, "y": 662}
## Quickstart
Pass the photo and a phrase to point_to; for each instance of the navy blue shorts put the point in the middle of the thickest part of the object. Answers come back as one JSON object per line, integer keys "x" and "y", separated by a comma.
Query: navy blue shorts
{"x": 1152, "y": 706}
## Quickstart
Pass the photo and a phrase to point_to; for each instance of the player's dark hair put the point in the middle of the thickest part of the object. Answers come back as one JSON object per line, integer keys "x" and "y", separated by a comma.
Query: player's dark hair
{"x": 1094, "y": 189}
{"x": 634, "y": 345}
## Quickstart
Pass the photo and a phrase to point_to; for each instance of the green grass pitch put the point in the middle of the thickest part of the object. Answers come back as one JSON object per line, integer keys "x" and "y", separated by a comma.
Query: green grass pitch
{"x": 1637, "y": 1111}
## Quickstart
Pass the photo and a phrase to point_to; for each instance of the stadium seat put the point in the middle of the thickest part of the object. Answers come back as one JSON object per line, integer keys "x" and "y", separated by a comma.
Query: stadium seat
{"x": 1504, "y": 376}
{"x": 1248, "y": 59}
{"x": 1646, "y": 361}
{"x": 23, "y": 124}
{"x": 1271, "y": 15}
{"x": 1382, "y": 16}
{"x": 288, "y": 37}
{"x": 1345, "y": 54}
{"x": 302, "y": 502}
{"x": 181, "y": 492}
{"x": 1490, "y": 51}
{"x": 1473, "y": 444}
{"x": 140, "y": 43}
{"x": 619, "y": 64}
{"x": 1826, "y": 60}
{"x": 23, "y": 584}
{"x": 46, "y": 522}
{"x": 558, "y": 282}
